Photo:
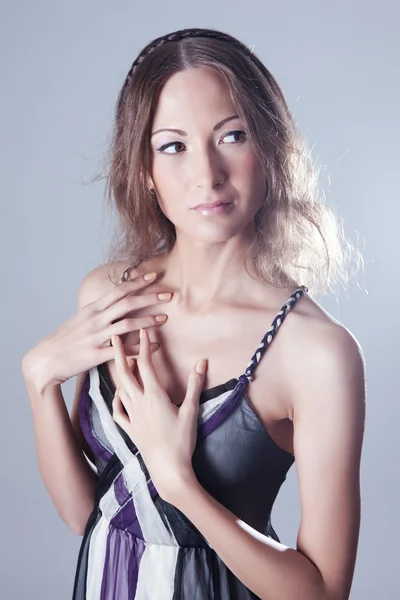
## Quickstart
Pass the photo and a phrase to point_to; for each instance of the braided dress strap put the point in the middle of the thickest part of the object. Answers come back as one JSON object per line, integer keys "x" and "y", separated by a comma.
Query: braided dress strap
{"x": 246, "y": 377}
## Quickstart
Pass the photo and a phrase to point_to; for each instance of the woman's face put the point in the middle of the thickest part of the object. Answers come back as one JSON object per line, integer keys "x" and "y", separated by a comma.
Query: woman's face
{"x": 210, "y": 159}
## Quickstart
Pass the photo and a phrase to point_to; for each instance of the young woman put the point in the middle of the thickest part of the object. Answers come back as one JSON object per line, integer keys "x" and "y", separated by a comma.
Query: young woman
{"x": 217, "y": 197}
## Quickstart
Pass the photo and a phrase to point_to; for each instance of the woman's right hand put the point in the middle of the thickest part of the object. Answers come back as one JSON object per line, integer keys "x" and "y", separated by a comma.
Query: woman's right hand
{"x": 83, "y": 341}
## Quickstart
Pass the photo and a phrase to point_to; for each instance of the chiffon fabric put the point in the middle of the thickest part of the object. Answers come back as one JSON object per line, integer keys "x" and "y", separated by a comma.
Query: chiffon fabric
{"x": 136, "y": 546}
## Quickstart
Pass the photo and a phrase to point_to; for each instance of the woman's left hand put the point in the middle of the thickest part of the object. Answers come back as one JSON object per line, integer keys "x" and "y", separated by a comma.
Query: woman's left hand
{"x": 164, "y": 434}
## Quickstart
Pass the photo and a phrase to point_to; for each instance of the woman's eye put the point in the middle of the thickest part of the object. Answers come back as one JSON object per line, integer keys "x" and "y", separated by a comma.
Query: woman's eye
{"x": 163, "y": 148}
{"x": 172, "y": 144}
{"x": 234, "y": 133}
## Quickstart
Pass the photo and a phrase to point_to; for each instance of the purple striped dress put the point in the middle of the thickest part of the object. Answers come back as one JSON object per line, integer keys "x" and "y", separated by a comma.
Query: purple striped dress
{"x": 136, "y": 546}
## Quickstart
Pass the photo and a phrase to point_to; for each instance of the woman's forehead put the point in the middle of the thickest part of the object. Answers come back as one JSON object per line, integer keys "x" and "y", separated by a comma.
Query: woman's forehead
{"x": 193, "y": 94}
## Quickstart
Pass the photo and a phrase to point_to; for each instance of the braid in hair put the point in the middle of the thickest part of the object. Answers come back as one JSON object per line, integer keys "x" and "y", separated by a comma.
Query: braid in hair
{"x": 181, "y": 35}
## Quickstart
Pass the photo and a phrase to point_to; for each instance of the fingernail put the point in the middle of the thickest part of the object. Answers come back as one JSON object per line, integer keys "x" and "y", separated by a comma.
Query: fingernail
{"x": 149, "y": 276}
{"x": 141, "y": 334}
{"x": 201, "y": 366}
{"x": 164, "y": 295}
{"x": 161, "y": 318}
{"x": 113, "y": 340}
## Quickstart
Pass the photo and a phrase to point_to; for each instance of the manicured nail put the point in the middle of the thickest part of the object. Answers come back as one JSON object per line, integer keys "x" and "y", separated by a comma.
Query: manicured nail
{"x": 164, "y": 296}
{"x": 149, "y": 276}
{"x": 161, "y": 318}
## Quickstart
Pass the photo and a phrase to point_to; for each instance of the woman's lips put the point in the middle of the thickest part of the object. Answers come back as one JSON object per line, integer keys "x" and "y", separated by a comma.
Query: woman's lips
{"x": 218, "y": 209}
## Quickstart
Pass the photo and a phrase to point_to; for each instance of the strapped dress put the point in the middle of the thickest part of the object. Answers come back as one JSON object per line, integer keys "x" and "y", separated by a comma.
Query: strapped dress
{"x": 136, "y": 546}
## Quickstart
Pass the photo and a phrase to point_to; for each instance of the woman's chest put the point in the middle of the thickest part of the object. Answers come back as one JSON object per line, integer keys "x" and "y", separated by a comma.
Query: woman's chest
{"x": 229, "y": 341}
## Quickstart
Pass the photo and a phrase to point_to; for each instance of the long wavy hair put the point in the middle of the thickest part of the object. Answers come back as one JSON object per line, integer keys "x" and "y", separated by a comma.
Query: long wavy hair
{"x": 298, "y": 237}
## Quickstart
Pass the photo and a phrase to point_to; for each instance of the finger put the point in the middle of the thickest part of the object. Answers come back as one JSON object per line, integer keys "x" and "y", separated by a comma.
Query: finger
{"x": 124, "y": 374}
{"x": 118, "y": 319}
{"x": 145, "y": 363}
{"x": 132, "y": 350}
{"x": 118, "y": 413}
{"x": 107, "y": 353}
{"x": 122, "y": 290}
{"x": 127, "y": 401}
{"x": 194, "y": 388}
{"x": 131, "y": 363}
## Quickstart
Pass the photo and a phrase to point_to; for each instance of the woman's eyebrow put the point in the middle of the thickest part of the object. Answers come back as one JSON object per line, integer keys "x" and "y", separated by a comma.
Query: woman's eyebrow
{"x": 215, "y": 128}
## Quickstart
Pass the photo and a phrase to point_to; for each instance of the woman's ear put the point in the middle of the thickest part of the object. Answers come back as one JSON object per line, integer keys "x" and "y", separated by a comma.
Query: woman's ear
{"x": 150, "y": 184}
{"x": 146, "y": 180}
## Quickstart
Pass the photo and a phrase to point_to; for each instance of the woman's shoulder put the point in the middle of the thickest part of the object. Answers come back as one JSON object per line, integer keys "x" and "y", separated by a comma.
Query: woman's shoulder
{"x": 96, "y": 283}
{"x": 313, "y": 327}
{"x": 315, "y": 340}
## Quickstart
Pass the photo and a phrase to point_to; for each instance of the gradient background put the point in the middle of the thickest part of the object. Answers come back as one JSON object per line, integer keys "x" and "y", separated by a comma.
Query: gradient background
{"x": 62, "y": 66}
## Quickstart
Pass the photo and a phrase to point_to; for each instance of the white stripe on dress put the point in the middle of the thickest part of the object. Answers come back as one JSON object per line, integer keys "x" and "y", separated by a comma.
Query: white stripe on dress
{"x": 208, "y": 408}
{"x": 157, "y": 573}
{"x": 149, "y": 518}
{"x": 96, "y": 558}
{"x": 109, "y": 425}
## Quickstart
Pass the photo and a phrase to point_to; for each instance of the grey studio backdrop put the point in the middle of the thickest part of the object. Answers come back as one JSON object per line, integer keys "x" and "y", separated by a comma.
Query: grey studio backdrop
{"x": 62, "y": 65}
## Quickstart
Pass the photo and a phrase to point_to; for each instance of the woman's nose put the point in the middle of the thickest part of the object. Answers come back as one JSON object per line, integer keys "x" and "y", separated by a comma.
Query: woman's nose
{"x": 207, "y": 168}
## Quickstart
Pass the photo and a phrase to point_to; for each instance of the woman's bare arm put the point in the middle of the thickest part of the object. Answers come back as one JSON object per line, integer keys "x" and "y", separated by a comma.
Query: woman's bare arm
{"x": 328, "y": 388}
{"x": 66, "y": 473}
